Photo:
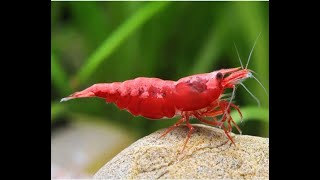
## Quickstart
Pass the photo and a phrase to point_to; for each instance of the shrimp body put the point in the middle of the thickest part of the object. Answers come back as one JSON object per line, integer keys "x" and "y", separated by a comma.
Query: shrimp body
{"x": 200, "y": 96}
{"x": 155, "y": 98}
{"x": 197, "y": 96}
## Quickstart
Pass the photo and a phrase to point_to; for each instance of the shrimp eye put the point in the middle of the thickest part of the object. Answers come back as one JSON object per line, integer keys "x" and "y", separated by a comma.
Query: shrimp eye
{"x": 219, "y": 75}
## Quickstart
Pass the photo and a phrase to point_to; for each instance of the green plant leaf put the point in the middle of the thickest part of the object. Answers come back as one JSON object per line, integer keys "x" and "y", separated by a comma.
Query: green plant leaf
{"x": 117, "y": 37}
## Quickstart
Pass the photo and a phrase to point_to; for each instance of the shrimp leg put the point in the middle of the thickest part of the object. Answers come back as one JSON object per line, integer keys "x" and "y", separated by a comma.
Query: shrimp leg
{"x": 206, "y": 121}
{"x": 227, "y": 133}
{"x": 216, "y": 123}
{"x": 230, "y": 120}
{"x": 235, "y": 124}
{"x": 173, "y": 127}
{"x": 189, "y": 134}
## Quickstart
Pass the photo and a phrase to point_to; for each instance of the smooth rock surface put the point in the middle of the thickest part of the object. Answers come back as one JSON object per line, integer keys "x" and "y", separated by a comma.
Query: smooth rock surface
{"x": 208, "y": 155}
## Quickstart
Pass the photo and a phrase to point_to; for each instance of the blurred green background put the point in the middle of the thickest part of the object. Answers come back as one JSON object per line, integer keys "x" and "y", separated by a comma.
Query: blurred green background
{"x": 94, "y": 42}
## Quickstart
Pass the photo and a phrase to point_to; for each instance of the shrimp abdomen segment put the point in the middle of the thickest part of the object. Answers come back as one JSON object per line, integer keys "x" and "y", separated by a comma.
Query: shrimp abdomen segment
{"x": 141, "y": 96}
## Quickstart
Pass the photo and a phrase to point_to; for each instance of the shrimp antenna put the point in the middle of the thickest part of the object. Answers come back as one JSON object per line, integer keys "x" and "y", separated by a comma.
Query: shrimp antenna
{"x": 251, "y": 94}
{"x": 261, "y": 85}
{"x": 252, "y": 50}
{"x": 254, "y": 72}
{"x": 238, "y": 54}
